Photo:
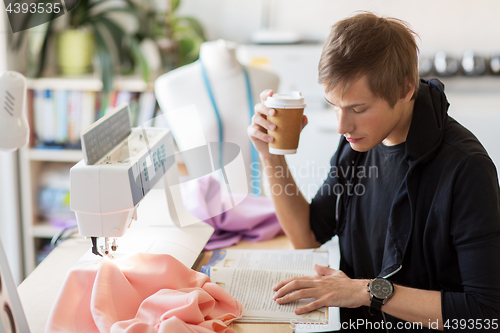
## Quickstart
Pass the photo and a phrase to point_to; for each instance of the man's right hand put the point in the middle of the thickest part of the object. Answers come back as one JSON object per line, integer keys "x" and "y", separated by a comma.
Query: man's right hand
{"x": 259, "y": 129}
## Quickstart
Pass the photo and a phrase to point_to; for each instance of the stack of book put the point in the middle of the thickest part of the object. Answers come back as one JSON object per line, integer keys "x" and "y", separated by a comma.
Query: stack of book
{"x": 57, "y": 117}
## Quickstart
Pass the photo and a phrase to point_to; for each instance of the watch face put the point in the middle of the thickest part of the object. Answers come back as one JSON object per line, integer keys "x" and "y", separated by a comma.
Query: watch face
{"x": 381, "y": 288}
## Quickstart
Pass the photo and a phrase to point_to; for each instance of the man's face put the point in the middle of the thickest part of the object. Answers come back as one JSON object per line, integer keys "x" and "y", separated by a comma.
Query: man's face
{"x": 365, "y": 119}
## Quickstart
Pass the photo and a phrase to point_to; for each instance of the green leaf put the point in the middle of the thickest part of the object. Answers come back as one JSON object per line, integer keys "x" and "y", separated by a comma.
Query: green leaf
{"x": 116, "y": 32}
{"x": 34, "y": 18}
{"x": 117, "y": 4}
{"x": 118, "y": 35}
{"x": 158, "y": 30}
{"x": 196, "y": 50}
{"x": 98, "y": 2}
{"x": 139, "y": 58}
{"x": 115, "y": 10}
{"x": 43, "y": 52}
{"x": 186, "y": 45}
{"x": 144, "y": 15}
{"x": 19, "y": 40}
{"x": 195, "y": 24}
{"x": 104, "y": 104}
{"x": 105, "y": 59}
{"x": 182, "y": 30}
{"x": 173, "y": 21}
{"x": 174, "y": 4}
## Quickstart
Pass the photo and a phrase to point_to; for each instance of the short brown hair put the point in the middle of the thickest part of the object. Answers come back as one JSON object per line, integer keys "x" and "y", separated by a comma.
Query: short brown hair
{"x": 384, "y": 49}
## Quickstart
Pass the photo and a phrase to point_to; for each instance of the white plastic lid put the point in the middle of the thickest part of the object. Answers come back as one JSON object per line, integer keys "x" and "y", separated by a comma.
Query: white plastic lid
{"x": 277, "y": 151}
{"x": 293, "y": 100}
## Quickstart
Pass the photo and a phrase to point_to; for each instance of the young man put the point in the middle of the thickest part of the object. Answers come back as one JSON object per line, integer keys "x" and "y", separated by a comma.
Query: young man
{"x": 427, "y": 224}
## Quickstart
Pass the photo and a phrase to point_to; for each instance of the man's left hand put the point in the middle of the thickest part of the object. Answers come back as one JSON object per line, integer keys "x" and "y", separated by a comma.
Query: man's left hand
{"x": 330, "y": 288}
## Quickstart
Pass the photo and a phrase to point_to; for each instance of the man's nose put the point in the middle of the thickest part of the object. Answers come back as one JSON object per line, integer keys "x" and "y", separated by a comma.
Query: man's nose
{"x": 346, "y": 124}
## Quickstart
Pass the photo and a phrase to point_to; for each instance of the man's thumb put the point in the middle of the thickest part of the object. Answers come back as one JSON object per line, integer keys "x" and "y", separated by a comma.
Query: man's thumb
{"x": 323, "y": 270}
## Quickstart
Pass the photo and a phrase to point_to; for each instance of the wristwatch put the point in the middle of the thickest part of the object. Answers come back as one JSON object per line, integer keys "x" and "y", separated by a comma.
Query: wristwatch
{"x": 380, "y": 290}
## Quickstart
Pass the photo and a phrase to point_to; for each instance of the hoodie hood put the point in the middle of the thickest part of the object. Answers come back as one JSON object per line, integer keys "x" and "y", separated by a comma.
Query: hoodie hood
{"x": 426, "y": 129}
{"x": 425, "y": 136}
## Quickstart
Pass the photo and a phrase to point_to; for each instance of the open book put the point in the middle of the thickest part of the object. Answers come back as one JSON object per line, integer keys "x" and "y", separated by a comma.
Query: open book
{"x": 248, "y": 275}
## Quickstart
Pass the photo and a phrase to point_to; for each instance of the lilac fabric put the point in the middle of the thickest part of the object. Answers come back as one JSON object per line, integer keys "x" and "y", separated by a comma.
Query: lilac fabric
{"x": 253, "y": 219}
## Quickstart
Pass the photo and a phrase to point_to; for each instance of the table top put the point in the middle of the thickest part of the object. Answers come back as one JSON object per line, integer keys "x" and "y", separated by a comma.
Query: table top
{"x": 39, "y": 290}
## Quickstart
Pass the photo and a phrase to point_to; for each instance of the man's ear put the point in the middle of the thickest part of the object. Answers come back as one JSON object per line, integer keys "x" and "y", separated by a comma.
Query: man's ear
{"x": 408, "y": 92}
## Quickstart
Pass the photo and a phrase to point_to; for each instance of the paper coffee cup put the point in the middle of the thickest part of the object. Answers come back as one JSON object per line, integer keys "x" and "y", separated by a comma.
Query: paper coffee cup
{"x": 288, "y": 120}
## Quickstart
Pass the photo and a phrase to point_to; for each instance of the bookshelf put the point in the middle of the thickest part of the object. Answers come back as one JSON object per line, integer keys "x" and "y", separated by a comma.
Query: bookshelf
{"x": 34, "y": 160}
{"x": 89, "y": 83}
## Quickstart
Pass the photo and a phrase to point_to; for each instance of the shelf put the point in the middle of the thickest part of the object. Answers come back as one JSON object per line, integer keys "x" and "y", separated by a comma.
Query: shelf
{"x": 55, "y": 155}
{"x": 477, "y": 85}
{"x": 45, "y": 230}
{"x": 89, "y": 83}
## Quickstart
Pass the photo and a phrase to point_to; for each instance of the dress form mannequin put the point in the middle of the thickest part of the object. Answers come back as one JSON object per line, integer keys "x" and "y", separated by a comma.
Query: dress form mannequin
{"x": 185, "y": 86}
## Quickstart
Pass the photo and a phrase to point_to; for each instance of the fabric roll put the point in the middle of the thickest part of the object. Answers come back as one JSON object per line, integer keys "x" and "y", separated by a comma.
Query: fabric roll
{"x": 253, "y": 219}
{"x": 141, "y": 293}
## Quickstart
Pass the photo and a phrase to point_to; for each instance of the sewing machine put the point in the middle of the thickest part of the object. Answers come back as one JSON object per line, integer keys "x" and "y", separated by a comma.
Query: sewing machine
{"x": 120, "y": 166}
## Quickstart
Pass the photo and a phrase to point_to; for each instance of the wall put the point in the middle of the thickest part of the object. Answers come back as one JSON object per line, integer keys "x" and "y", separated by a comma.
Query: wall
{"x": 9, "y": 195}
{"x": 449, "y": 25}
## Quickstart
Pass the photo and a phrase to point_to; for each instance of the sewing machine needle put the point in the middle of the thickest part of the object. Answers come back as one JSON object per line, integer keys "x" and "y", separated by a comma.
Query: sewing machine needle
{"x": 94, "y": 246}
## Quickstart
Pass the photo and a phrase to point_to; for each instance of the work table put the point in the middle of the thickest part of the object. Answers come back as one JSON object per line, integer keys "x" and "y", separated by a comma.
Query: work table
{"x": 38, "y": 292}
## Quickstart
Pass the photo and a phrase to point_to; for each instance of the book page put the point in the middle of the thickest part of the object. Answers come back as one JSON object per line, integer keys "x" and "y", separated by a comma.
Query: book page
{"x": 253, "y": 288}
{"x": 280, "y": 260}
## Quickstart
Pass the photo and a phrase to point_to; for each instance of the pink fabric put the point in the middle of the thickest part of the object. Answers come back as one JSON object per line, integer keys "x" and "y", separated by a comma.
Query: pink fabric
{"x": 253, "y": 219}
{"x": 140, "y": 294}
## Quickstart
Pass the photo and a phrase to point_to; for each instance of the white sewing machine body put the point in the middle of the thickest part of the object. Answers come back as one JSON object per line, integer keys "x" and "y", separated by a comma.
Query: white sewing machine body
{"x": 105, "y": 195}
{"x": 121, "y": 165}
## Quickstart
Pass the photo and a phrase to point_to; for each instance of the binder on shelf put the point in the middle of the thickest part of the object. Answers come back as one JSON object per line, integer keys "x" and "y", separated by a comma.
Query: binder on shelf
{"x": 88, "y": 109}
{"x": 74, "y": 117}
{"x": 98, "y": 105}
{"x": 49, "y": 117}
{"x": 112, "y": 96}
{"x": 134, "y": 108}
{"x": 61, "y": 102}
{"x": 30, "y": 99}
{"x": 123, "y": 97}
{"x": 38, "y": 116}
{"x": 147, "y": 107}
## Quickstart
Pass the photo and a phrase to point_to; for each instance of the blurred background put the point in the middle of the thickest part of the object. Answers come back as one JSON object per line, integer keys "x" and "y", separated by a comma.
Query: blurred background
{"x": 446, "y": 25}
{"x": 100, "y": 54}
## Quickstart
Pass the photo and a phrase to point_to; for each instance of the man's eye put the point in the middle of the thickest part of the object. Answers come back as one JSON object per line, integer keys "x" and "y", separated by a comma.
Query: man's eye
{"x": 357, "y": 110}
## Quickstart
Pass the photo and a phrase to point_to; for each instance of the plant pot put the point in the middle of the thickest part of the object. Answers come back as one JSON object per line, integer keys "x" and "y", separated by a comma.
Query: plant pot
{"x": 75, "y": 49}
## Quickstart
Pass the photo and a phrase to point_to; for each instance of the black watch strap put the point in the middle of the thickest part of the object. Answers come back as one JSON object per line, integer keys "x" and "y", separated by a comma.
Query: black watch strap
{"x": 375, "y": 306}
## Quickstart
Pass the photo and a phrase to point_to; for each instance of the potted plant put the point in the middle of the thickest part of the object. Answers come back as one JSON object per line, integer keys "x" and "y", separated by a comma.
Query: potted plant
{"x": 178, "y": 37}
{"x": 183, "y": 37}
{"x": 91, "y": 28}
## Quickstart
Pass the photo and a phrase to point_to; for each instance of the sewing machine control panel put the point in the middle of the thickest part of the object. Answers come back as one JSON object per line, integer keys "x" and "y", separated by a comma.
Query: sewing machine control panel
{"x": 154, "y": 164}
{"x": 105, "y": 134}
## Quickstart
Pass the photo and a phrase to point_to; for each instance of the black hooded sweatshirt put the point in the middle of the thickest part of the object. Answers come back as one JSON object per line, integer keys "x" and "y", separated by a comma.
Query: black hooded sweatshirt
{"x": 443, "y": 227}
